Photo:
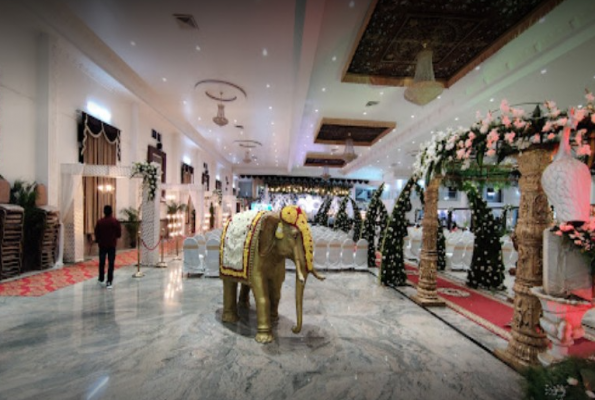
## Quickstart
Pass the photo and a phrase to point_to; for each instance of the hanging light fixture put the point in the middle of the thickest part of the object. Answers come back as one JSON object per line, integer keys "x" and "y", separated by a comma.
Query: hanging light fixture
{"x": 349, "y": 152}
{"x": 424, "y": 88}
{"x": 325, "y": 173}
{"x": 220, "y": 118}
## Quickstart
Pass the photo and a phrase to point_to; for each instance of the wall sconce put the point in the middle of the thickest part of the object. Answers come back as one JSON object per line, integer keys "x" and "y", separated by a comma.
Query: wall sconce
{"x": 105, "y": 188}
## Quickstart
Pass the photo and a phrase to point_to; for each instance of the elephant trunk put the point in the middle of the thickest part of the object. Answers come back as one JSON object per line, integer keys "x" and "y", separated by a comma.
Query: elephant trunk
{"x": 301, "y": 274}
{"x": 300, "y": 284}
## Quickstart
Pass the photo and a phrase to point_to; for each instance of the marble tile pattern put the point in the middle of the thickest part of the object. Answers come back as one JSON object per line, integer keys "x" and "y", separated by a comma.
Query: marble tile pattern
{"x": 161, "y": 337}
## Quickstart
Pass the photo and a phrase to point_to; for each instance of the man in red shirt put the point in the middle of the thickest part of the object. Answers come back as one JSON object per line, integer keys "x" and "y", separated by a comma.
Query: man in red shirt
{"x": 107, "y": 232}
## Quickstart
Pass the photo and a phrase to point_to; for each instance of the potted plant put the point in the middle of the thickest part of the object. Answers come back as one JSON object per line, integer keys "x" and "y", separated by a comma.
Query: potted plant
{"x": 24, "y": 194}
{"x": 131, "y": 223}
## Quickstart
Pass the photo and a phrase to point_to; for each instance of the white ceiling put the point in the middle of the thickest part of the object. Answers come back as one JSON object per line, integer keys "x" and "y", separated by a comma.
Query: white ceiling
{"x": 297, "y": 81}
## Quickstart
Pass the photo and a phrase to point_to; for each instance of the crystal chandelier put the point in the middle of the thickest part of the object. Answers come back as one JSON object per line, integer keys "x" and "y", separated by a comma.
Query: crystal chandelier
{"x": 424, "y": 87}
{"x": 349, "y": 153}
{"x": 220, "y": 118}
{"x": 325, "y": 174}
{"x": 247, "y": 157}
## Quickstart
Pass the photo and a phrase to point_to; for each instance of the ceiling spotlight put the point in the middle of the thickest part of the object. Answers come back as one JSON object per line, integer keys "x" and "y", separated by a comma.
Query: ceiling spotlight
{"x": 365, "y": 113}
{"x": 265, "y": 52}
{"x": 268, "y": 86}
{"x": 133, "y": 43}
{"x": 270, "y": 107}
{"x": 334, "y": 58}
{"x": 324, "y": 89}
{"x": 543, "y": 71}
{"x": 457, "y": 118}
{"x": 197, "y": 48}
{"x": 316, "y": 110}
{"x": 478, "y": 68}
{"x": 164, "y": 79}
{"x": 492, "y": 100}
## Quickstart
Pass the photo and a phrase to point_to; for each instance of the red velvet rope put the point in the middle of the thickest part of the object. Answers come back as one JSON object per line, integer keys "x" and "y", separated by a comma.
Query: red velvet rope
{"x": 149, "y": 248}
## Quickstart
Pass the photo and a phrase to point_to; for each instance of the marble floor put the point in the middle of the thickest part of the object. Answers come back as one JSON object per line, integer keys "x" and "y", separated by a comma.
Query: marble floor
{"x": 161, "y": 337}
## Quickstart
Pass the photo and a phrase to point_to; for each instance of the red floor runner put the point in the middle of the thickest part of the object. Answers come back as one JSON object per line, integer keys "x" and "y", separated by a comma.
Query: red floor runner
{"x": 49, "y": 281}
{"x": 489, "y": 312}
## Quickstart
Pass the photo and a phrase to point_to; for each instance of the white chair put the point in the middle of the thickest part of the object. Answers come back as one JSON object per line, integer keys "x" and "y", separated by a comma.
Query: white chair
{"x": 212, "y": 258}
{"x": 334, "y": 253}
{"x": 320, "y": 256}
{"x": 456, "y": 260}
{"x": 191, "y": 259}
{"x": 361, "y": 254}
{"x": 468, "y": 254}
{"x": 202, "y": 245}
{"x": 347, "y": 254}
{"x": 415, "y": 247}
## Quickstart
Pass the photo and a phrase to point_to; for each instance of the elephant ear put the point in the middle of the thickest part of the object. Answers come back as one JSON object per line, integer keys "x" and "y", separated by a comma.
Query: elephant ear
{"x": 266, "y": 238}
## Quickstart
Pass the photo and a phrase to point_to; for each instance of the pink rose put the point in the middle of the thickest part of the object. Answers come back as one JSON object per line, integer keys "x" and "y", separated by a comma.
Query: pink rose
{"x": 547, "y": 126}
{"x": 509, "y": 137}
{"x": 562, "y": 121}
{"x": 590, "y": 98}
{"x": 506, "y": 121}
{"x": 504, "y": 107}
{"x": 519, "y": 124}
{"x": 491, "y": 153}
{"x": 566, "y": 227}
{"x": 551, "y": 136}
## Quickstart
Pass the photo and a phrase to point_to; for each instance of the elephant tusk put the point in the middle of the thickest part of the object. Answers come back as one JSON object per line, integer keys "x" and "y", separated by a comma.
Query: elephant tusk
{"x": 318, "y": 275}
{"x": 300, "y": 275}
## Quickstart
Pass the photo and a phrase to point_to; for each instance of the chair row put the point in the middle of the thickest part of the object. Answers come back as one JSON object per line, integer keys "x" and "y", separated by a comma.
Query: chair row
{"x": 201, "y": 256}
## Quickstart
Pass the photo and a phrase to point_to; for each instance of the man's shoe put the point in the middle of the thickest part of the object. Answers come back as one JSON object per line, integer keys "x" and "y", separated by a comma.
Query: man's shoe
{"x": 99, "y": 282}
{"x": 108, "y": 285}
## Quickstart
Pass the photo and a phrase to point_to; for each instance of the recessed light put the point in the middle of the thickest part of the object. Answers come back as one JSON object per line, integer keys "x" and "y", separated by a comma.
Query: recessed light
{"x": 311, "y": 125}
{"x": 399, "y": 149}
{"x": 272, "y": 122}
{"x": 413, "y": 141}
{"x": 268, "y": 86}
{"x": 164, "y": 79}
{"x": 382, "y": 93}
{"x": 439, "y": 97}
{"x": 541, "y": 20}
{"x": 199, "y": 118}
{"x": 431, "y": 131}
{"x": 457, "y": 118}
{"x": 270, "y": 107}
{"x": 478, "y": 68}
{"x": 185, "y": 102}
{"x": 580, "y": 106}
{"x": 197, "y": 48}
{"x": 209, "y": 131}
{"x": 241, "y": 132}
{"x": 334, "y": 58}
{"x": 492, "y": 100}
{"x": 365, "y": 113}
{"x": 316, "y": 110}
{"x": 133, "y": 43}
{"x": 235, "y": 121}
{"x": 265, "y": 52}
{"x": 399, "y": 162}
{"x": 379, "y": 140}
{"x": 412, "y": 116}
{"x": 324, "y": 89}
{"x": 351, "y": 4}
{"x": 543, "y": 71}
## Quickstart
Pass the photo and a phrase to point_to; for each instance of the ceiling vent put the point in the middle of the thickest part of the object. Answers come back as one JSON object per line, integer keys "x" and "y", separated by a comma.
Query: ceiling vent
{"x": 186, "y": 21}
{"x": 240, "y": 126}
{"x": 372, "y": 103}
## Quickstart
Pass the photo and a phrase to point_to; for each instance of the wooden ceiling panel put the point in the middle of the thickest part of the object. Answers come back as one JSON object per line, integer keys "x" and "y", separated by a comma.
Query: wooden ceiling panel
{"x": 461, "y": 33}
{"x": 324, "y": 160}
{"x": 363, "y": 133}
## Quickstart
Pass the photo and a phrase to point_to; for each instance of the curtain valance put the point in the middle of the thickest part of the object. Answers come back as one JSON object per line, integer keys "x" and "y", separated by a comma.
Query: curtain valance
{"x": 91, "y": 126}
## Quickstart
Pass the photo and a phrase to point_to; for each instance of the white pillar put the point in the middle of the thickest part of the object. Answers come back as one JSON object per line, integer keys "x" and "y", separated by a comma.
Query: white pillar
{"x": 149, "y": 251}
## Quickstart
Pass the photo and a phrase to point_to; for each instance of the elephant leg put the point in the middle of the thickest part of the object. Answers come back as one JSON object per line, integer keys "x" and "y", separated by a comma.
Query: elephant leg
{"x": 263, "y": 312}
{"x": 230, "y": 301}
{"x": 275, "y": 297}
{"x": 244, "y": 296}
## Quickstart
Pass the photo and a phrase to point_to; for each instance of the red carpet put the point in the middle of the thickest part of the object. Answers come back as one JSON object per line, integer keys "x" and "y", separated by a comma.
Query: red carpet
{"x": 489, "y": 312}
{"x": 49, "y": 281}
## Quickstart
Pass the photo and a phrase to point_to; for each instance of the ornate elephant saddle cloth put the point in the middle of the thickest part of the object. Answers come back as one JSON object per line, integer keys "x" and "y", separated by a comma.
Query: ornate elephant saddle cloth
{"x": 239, "y": 242}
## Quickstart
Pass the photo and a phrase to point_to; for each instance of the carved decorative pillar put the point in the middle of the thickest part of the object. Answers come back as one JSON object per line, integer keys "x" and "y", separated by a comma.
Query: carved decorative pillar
{"x": 150, "y": 224}
{"x": 528, "y": 339}
{"x": 427, "y": 295}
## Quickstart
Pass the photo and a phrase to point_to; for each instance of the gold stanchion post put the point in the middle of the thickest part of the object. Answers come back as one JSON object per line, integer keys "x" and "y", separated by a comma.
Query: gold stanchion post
{"x": 138, "y": 274}
{"x": 162, "y": 263}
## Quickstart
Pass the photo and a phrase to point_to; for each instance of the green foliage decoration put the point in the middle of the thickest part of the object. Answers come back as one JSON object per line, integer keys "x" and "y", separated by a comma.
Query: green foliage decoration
{"x": 357, "y": 221}
{"x": 342, "y": 221}
{"x": 487, "y": 269}
{"x": 321, "y": 217}
{"x": 376, "y": 216}
{"x": 570, "y": 379}
{"x": 392, "y": 269}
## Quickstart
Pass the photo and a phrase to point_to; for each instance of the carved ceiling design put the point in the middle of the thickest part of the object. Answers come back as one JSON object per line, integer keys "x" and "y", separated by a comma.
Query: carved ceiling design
{"x": 363, "y": 133}
{"x": 324, "y": 160}
{"x": 461, "y": 33}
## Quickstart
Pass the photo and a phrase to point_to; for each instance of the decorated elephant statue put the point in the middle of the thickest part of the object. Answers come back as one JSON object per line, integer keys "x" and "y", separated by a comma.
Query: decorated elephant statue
{"x": 254, "y": 246}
